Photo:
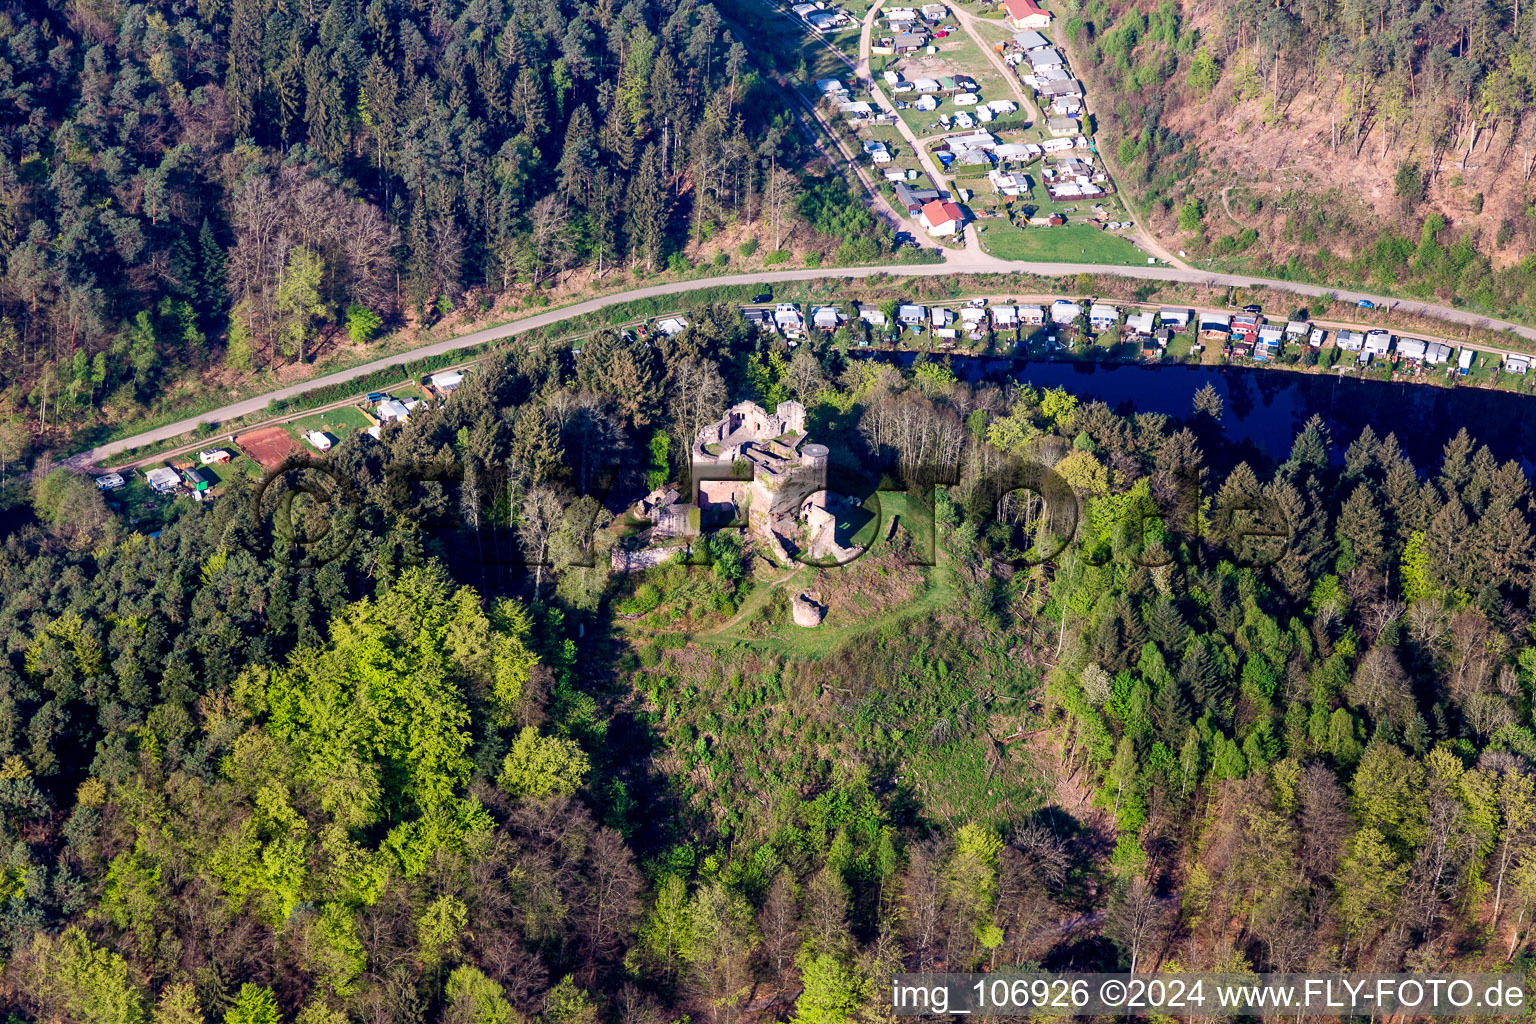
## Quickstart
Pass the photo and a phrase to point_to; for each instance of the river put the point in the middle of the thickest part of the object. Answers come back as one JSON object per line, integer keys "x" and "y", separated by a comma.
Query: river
{"x": 1264, "y": 408}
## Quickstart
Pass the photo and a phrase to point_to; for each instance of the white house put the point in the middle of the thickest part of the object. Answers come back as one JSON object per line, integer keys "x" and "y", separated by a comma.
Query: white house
{"x": 1140, "y": 322}
{"x": 163, "y": 480}
{"x": 1005, "y": 318}
{"x": 1102, "y": 315}
{"x": 1411, "y": 348}
{"x": 447, "y": 380}
{"x": 787, "y": 318}
{"x": 1350, "y": 341}
{"x": 912, "y": 316}
{"x": 1064, "y": 312}
{"x": 1178, "y": 319}
{"x": 391, "y": 409}
{"x": 941, "y": 317}
{"x": 1378, "y": 343}
{"x": 941, "y": 217}
{"x": 1045, "y": 57}
{"x": 826, "y": 318}
{"x": 1022, "y": 14}
{"x": 1032, "y": 315}
{"x": 1006, "y": 183}
{"x": 1030, "y": 40}
{"x": 1020, "y": 151}
{"x": 1437, "y": 353}
{"x": 1296, "y": 329}
{"x": 1516, "y": 363}
{"x": 1215, "y": 325}
{"x": 872, "y": 316}
{"x": 672, "y": 325}
{"x": 831, "y": 87}
{"x": 926, "y": 84}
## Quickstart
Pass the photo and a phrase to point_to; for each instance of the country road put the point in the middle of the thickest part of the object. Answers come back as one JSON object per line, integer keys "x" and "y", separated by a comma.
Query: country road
{"x": 966, "y": 265}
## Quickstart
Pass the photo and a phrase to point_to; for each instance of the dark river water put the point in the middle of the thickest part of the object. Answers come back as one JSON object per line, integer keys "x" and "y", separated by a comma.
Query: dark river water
{"x": 1265, "y": 408}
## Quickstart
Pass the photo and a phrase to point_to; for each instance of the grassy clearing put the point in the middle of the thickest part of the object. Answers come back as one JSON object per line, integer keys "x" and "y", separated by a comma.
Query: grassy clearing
{"x": 1069, "y": 243}
{"x": 338, "y": 422}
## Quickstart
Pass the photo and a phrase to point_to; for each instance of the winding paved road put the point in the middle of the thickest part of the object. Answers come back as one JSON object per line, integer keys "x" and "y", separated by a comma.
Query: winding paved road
{"x": 959, "y": 262}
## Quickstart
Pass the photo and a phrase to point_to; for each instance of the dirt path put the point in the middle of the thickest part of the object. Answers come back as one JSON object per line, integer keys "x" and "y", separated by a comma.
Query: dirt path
{"x": 968, "y": 23}
{"x": 754, "y": 602}
{"x": 861, "y": 70}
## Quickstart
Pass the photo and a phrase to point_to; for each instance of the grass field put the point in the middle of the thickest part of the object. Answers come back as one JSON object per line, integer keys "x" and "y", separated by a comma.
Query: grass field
{"x": 337, "y": 422}
{"x": 239, "y": 470}
{"x": 1070, "y": 243}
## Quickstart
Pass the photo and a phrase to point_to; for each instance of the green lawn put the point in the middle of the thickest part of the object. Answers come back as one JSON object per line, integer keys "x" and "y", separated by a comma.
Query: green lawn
{"x": 239, "y": 470}
{"x": 338, "y": 423}
{"x": 140, "y": 507}
{"x": 1069, "y": 243}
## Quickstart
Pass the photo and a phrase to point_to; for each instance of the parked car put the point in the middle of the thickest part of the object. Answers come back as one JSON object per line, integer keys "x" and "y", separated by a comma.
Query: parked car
{"x": 977, "y": 304}
{"x": 1366, "y": 304}
{"x": 1253, "y": 309}
{"x": 905, "y": 238}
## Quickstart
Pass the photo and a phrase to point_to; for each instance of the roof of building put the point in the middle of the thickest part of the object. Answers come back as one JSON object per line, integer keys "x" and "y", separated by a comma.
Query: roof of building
{"x": 1021, "y": 9}
{"x": 1030, "y": 39}
{"x": 941, "y": 211}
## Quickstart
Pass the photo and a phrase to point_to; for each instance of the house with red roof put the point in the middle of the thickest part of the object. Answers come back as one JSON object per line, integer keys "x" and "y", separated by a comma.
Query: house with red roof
{"x": 942, "y": 217}
{"x": 1024, "y": 14}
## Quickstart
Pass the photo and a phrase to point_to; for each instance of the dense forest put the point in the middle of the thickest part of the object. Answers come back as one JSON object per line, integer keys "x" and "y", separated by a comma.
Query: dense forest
{"x": 462, "y": 771}
{"x": 1378, "y": 143}
{"x": 189, "y": 187}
